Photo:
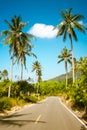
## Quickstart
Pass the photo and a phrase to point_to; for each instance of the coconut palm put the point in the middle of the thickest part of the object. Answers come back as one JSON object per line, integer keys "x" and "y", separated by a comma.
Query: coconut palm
{"x": 37, "y": 67}
{"x": 22, "y": 57}
{"x": 68, "y": 25}
{"x": 4, "y": 74}
{"x": 15, "y": 38}
{"x": 66, "y": 57}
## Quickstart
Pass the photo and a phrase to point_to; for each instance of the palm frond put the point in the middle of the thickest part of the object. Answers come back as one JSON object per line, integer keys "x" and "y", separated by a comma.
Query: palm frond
{"x": 59, "y": 56}
{"x": 77, "y": 17}
{"x": 31, "y": 36}
{"x": 60, "y": 60}
{"x": 56, "y": 27}
{"x": 9, "y": 25}
{"x": 62, "y": 14}
{"x": 65, "y": 35}
{"x": 61, "y": 31}
{"x": 79, "y": 26}
{"x": 69, "y": 61}
{"x": 73, "y": 34}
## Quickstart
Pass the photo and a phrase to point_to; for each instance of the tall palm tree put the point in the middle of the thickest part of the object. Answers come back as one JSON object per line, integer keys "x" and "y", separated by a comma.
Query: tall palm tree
{"x": 22, "y": 57}
{"x": 37, "y": 67}
{"x": 15, "y": 38}
{"x": 68, "y": 25}
{"x": 66, "y": 57}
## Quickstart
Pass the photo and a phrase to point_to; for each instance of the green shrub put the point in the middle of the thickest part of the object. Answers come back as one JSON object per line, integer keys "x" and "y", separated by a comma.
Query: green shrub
{"x": 32, "y": 99}
{"x": 20, "y": 102}
{"x": 7, "y": 103}
{"x": 4, "y": 88}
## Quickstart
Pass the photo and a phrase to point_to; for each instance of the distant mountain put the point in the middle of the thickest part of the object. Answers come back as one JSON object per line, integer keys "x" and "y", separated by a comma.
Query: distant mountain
{"x": 63, "y": 76}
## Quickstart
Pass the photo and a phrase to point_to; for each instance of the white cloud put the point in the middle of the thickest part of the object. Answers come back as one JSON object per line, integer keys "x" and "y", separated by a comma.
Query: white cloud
{"x": 43, "y": 31}
{"x": 81, "y": 22}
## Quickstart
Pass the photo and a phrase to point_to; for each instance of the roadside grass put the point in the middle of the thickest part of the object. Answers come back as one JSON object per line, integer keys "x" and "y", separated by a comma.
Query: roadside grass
{"x": 9, "y": 105}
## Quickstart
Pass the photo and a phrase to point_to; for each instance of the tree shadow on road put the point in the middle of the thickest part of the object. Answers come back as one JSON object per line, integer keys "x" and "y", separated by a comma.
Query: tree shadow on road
{"x": 14, "y": 115}
{"x": 12, "y": 121}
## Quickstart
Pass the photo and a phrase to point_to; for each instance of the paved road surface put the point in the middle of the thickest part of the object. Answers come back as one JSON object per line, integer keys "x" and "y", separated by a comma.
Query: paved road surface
{"x": 49, "y": 114}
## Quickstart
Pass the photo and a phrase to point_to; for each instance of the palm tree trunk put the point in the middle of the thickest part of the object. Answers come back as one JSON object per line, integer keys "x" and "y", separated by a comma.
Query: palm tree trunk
{"x": 86, "y": 110}
{"x": 66, "y": 74}
{"x": 11, "y": 72}
{"x": 38, "y": 90}
{"x": 21, "y": 75}
{"x": 73, "y": 66}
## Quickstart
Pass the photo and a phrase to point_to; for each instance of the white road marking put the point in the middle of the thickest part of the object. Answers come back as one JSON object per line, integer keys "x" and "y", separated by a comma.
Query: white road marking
{"x": 73, "y": 114}
{"x": 38, "y": 118}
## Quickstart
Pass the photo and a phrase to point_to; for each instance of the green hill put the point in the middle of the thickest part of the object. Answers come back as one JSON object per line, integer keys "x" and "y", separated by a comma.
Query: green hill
{"x": 63, "y": 76}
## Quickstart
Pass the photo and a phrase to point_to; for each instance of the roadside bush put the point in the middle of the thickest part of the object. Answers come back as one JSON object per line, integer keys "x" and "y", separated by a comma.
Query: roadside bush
{"x": 4, "y": 88}
{"x": 77, "y": 93}
{"x": 21, "y": 88}
{"x": 25, "y": 87}
{"x": 15, "y": 90}
{"x": 32, "y": 99}
{"x": 20, "y": 102}
{"x": 7, "y": 103}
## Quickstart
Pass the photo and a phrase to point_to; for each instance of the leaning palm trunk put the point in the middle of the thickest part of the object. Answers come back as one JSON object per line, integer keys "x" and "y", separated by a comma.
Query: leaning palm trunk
{"x": 11, "y": 72}
{"x": 73, "y": 66}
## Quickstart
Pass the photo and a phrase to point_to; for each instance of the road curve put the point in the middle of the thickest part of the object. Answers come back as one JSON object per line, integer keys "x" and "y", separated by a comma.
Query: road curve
{"x": 49, "y": 114}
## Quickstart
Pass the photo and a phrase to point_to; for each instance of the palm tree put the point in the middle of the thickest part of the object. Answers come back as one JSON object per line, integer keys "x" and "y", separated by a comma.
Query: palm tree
{"x": 15, "y": 38}
{"x": 37, "y": 67}
{"x": 4, "y": 74}
{"x": 22, "y": 57}
{"x": 68, "y": 25}
{"x": 66, "y": 57}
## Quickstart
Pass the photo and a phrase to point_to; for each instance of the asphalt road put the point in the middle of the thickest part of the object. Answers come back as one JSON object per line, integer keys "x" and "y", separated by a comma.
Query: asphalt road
{"x": 49, "y": 114}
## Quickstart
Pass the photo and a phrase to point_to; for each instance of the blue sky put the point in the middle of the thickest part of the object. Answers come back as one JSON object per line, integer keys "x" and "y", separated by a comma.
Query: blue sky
{"x": 42, "y": 15}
